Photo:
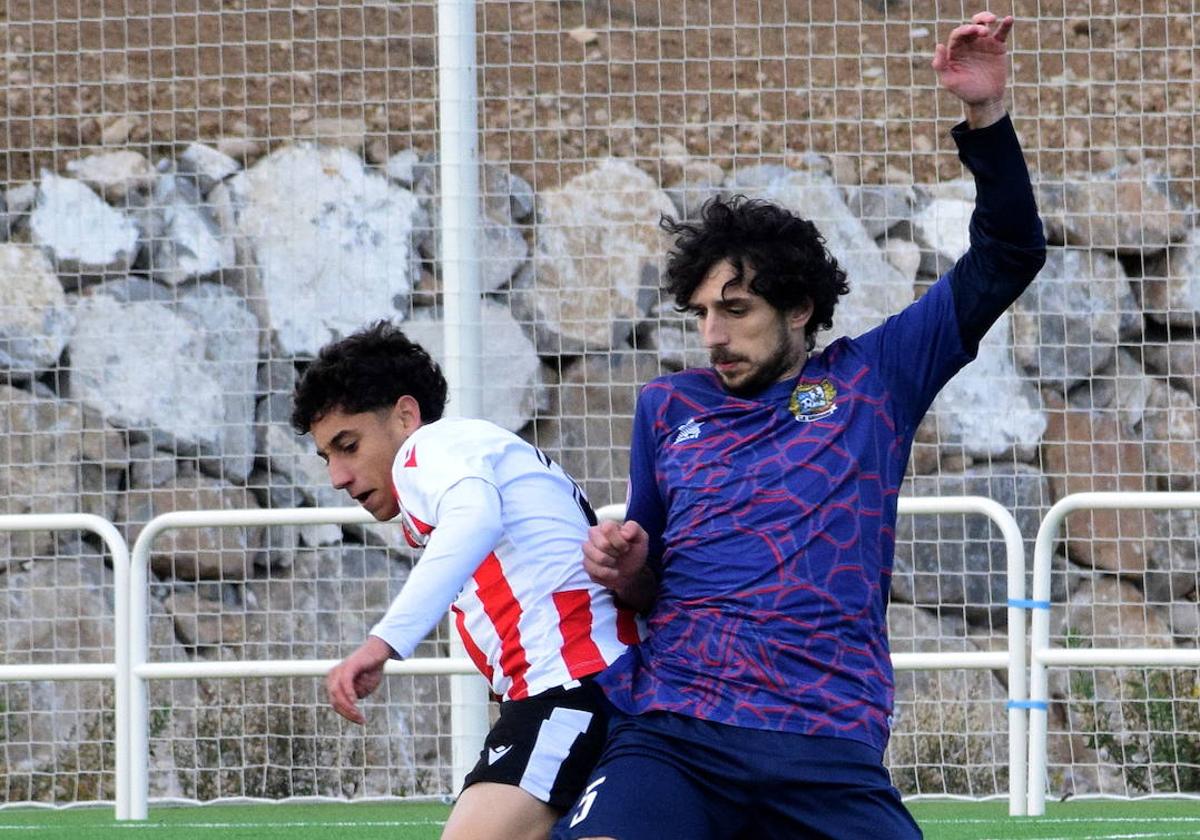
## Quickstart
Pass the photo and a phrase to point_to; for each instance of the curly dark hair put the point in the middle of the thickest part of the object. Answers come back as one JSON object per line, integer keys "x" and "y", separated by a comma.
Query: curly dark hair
{"x": 785, "y": 254}
{"x": 367, "y": 371}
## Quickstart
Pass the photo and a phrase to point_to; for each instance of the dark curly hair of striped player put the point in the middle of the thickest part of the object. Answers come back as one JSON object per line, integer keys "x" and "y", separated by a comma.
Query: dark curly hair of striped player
{"x": 784, "y": 254}
{"x": 368, "y": 371}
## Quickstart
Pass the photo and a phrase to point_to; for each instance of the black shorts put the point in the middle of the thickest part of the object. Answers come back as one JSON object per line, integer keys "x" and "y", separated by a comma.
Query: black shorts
{"x": 546, "y": 744}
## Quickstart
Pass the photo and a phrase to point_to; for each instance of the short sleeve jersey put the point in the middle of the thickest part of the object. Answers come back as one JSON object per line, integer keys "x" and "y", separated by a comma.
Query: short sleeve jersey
{"x": 529, "y": 617}
{"x": 773, "y": 520}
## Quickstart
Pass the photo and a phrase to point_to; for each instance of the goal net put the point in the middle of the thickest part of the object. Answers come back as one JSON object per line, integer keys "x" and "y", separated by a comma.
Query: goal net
{"x": 197, "y": 195}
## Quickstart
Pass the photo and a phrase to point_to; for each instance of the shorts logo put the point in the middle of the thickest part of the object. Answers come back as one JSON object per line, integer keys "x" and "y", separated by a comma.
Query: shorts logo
{"x": 497, "y": 753}
{"x": 688, "y": 431}
{"x": 814, "y": 401}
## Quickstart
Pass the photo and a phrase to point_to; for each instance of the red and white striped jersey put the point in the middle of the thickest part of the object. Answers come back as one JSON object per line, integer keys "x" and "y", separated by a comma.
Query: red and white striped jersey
{"x": 529, "y": 616}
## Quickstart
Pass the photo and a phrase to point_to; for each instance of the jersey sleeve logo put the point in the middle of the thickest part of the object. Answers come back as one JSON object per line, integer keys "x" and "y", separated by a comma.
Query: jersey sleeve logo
{"x": 813, "y": 401}
{"x": 411, "y": 460}
{"x": 687, "y": 431}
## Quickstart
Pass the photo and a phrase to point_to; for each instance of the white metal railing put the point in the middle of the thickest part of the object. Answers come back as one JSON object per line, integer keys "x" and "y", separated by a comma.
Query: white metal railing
{"x": 118, "y": 669}
{"x": 1013, "y": 658}
{"x": 130, "y": 669}
{"x": 1042, "y": 656}
{"x": 464, "y": 717}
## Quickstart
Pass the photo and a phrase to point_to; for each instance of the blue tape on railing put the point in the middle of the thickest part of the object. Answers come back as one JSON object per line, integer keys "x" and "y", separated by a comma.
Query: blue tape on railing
{"x": 1025, "y": 603}
{"x": 1038, "y": 705}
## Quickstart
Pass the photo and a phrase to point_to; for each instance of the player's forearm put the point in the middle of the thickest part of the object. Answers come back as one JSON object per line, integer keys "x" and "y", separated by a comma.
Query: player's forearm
{"x": 468, "y": 528}
{"x": 1008, "y": 246}
{"x": 377, "y": 649}
{"x": 1005, "y": 209}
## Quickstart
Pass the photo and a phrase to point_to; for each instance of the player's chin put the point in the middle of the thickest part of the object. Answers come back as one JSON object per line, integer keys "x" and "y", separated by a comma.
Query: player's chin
{"x": 383, "y": 511}
{"x": 740, "y": 383}
{"x": 731, "y": 378}
{"x": 386, "y": 515}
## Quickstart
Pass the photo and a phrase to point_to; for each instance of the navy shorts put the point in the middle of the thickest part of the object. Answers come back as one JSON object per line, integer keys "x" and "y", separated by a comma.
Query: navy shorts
{"x": 668, "y": 776}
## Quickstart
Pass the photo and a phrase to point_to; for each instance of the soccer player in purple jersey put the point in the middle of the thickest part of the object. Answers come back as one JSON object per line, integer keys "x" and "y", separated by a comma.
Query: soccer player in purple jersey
{"x": 762, "y": 509}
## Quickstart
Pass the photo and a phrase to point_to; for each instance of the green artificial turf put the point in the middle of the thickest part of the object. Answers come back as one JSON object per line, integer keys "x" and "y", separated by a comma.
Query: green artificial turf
{"x": 941, "y": 820}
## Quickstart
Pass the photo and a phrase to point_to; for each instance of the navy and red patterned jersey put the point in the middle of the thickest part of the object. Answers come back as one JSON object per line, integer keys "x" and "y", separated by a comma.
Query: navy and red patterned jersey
{"x": 775, "y": 518}
{"x": 772, "y": 518}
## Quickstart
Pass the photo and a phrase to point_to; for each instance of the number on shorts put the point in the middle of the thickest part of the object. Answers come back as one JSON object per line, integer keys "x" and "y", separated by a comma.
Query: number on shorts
{"x": 585, "y": 802}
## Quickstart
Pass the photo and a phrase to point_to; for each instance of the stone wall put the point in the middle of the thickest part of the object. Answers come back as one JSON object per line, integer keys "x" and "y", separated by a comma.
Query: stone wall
{"x": 156, "y": 314}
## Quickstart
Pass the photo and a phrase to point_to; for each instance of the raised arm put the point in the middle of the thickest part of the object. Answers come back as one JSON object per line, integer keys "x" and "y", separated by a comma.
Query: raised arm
{"x": 1008, "y": 246}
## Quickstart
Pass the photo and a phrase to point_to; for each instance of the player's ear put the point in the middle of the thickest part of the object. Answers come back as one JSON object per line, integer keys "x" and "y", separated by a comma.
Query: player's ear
{"x": 407, "y": 412}
{"x": 798, "y": 315}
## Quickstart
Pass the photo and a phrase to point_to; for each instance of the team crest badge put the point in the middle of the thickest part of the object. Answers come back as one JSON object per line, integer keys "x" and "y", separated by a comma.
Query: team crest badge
{"x": 813, "y": 401}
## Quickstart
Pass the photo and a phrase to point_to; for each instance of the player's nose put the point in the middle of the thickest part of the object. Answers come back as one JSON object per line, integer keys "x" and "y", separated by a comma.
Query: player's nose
{"x": 339, "y": 476}
{"x": 713, "y": 332}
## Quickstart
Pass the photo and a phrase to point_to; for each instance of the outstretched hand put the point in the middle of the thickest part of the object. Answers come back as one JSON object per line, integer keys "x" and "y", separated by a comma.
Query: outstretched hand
{"x": 356, "y": 676}
{"x": 973, "y": 65}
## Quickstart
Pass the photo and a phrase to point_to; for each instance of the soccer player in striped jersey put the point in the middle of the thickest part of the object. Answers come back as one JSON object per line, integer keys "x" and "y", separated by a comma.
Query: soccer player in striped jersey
{"x": 501, "y": 526}
{"x": 762, "y": 508}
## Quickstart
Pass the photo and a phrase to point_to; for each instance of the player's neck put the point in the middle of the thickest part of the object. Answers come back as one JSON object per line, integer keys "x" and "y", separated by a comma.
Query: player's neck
{"x": 793, "y": 369}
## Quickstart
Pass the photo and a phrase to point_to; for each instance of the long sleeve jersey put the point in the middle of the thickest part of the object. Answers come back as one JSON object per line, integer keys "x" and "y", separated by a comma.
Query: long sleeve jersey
{"x": 772, "y": 517}
{"x": 501, "y": 527}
